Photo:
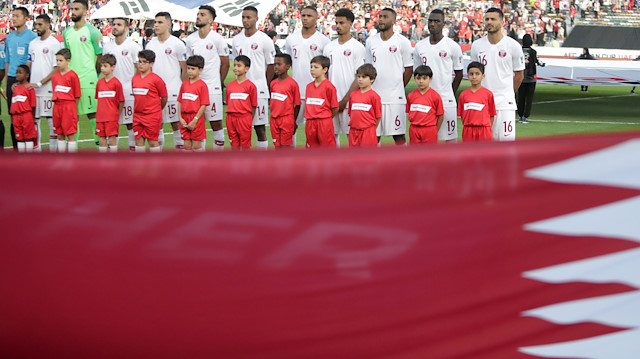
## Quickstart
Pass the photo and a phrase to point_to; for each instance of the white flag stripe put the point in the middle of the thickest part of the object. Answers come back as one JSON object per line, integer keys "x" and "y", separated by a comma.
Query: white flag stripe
{"x": 620, "y": 345}
{"x": 613, "y": 166}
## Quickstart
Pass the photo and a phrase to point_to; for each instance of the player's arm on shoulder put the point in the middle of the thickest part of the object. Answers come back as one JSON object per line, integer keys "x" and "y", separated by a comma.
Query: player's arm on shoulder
{"x": 345, "y": 99}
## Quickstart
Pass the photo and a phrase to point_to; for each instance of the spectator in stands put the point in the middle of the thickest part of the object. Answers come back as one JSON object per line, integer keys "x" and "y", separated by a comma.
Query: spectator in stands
{"x": 585, "y": 56}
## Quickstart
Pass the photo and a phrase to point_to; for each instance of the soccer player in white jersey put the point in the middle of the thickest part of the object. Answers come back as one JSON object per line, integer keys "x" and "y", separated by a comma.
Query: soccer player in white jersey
{"x": 444, "y": 57}
{"x": 260, "y": 49}
{"x": 392, "y": 56}
{"x": 346, "y": 55}
{"x": 502, "y": 57}
{"x": 302, "y": 46}
{"x": 126, "y": 52}
{"x": 171, "y": 66}
{"x": 42, "y": 62}
{"x": 213, "y": 48}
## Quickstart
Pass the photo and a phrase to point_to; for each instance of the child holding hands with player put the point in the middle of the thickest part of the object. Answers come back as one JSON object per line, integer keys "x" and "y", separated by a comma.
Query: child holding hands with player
{"x": 66, "y": 95}
{"x": 23, "y": 109}
{"x": 365, "y": 109}
{"x": 284, "y": 103}
{"x": 476, "y": 107}
{"x": 321, "y": 105}
{"x": 193, "y": 99}
{"x": 242, "y": 100}
{"x": 425, "y": 109}
{"x": 110, "y": 98}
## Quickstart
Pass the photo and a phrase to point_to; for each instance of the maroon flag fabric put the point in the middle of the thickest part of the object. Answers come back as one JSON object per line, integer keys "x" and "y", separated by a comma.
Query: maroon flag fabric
{"x": 489, "y": 250}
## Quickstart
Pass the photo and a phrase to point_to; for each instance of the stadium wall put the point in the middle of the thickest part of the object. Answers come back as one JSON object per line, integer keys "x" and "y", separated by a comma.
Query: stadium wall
{"x": 604, "y": 37}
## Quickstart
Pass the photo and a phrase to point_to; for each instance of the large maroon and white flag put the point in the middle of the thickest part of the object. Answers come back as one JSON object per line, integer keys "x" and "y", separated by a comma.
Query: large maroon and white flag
{"x": 492, "y": 250}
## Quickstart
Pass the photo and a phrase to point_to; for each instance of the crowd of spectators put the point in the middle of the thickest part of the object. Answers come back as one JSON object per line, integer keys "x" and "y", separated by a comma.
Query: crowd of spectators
{"x": 545, "y": 21}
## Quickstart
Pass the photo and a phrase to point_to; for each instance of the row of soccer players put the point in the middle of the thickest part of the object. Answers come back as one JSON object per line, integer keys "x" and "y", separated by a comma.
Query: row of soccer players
{"x": 424, "y": 105}
{"x": 391, "y": 54}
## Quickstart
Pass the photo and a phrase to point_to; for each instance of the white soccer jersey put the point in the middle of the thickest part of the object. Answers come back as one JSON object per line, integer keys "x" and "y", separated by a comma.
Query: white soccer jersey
{"x": 302, "y": 51}
{"x": 126, "y": 59}
{"x": 443, "y": 58}
{"x": 260, "y": 49}
{"x": 42, "y": 54}
{"x": 345, "y": 60}
{"x": 390, "y": 59}
{"x": 500, "y": 61}
{"x": 212, "y": 47}
{"x": 169, "y": 54}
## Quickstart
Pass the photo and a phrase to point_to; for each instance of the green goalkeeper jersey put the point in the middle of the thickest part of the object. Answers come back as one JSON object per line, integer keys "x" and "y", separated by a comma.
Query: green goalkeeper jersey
{"x": 85, "y": 44}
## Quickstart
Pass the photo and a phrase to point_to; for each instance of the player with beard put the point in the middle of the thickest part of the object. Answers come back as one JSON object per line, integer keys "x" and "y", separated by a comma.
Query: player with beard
{"x": 42, "y": 62}
{"x": 346, "y": 55}
{"x": 302, "y": 46}
{"x": 126, "y": 52}
{"x": 171, "y": 65}
{"x": 213, "y": 48}
{"x": 85, "y": 43}
{"x": 502, "y": 57}
{"x": 391, "y": 54}
{"x": 259, "y": 48}
{"x": 444, "y": 57}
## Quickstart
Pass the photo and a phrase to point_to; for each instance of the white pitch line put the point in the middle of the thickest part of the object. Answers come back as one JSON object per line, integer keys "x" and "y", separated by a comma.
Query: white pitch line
{"x": 596, "y": 122}
{"x": 582, "y": 99}
{"x": 92, "y": 140}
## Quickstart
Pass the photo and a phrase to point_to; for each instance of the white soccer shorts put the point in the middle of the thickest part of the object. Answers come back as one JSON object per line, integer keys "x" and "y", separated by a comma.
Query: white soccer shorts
{"x": 394, "y": 120}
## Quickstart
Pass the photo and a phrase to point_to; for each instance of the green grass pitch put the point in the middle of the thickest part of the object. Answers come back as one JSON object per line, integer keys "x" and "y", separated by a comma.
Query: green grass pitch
{"x": 557, "y": 110}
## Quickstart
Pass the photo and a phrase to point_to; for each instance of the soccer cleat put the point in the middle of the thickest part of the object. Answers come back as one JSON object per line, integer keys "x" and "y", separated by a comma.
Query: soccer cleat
{"x": 524, "y": 120}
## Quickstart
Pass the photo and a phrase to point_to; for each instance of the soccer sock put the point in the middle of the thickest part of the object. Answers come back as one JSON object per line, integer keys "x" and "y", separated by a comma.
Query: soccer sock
{"x": 132, "y": 140}
{"x": 161, "y": 138}
{"x": 53, "y": 138}
{"x": 262, "y": 145}
{"x": 38, "y": 145}
{"x": 102, "y": 149}
{"x": 140, "y": 149}
{"x": 30, "y": 146}
{"x": 62, "y": 145}
{"x": 92, "y": 122}
{"x": 218, "y": 140}
{"x": 178, "y": 142}
{"x": 338, "y": 141}
{"x": 155, "y": 149}
{"x": 112, "y": 149}
{"x": 72, "y": 146}
{"x": 22, "y": 147}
